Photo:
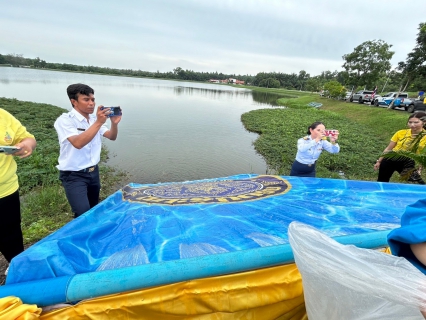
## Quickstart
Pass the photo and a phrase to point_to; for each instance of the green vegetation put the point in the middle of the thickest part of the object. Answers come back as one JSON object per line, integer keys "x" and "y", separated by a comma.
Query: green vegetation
{"x": 43, "y": 202}
{"x": 364, "y": 132}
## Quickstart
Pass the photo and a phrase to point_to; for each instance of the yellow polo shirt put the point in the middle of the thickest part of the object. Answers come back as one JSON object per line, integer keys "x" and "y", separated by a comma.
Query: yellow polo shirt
{"x": 11, "y": 133}
{"x": 404, "y": 140}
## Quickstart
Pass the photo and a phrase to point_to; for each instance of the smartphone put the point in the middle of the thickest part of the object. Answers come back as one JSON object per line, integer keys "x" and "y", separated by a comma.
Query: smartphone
{"x": 114, "y": 111}
{"x": 330, "y": 132}
{"x": 9, "y": 149}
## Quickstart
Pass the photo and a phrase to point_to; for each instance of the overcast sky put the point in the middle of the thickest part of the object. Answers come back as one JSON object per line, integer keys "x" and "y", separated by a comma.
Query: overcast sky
{"x": 229, "y": 36}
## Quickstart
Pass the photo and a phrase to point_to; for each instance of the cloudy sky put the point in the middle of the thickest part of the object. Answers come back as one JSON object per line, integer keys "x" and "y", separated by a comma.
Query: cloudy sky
{"x": 229, "y": 36}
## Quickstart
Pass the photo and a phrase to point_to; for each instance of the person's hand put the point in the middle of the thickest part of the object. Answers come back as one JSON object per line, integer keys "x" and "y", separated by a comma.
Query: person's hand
{"x": 334, "y": 136}
{"x": 25, "y": 149}
{"x": 102, "y": 115}
{"x": 317, "y": 136}
{"x": 116, "y": 119}
{"x": 377, "y": 165}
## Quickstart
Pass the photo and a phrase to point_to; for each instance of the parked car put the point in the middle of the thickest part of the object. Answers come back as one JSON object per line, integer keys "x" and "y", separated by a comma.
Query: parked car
{"x": 362, "y": 96}
{"x": 347, "y": 95}
{"x": 417, "y": 105}
{"x": 401, "y": 101}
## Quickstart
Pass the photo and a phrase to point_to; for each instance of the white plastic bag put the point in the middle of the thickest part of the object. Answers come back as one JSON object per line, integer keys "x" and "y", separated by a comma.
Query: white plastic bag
{"x": 345, "y": 282}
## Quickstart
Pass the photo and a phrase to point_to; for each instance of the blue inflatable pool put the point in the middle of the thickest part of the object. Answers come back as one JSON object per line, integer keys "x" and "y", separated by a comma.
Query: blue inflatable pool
{"x": 172, "y": 225}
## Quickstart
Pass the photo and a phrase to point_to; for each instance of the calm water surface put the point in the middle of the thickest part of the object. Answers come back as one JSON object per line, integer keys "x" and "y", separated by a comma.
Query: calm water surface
{"x": 170, "y": 130}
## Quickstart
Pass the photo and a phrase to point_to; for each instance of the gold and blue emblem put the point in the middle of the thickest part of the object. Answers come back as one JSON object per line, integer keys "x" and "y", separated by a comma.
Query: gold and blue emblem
{"x": 214, "y": 191}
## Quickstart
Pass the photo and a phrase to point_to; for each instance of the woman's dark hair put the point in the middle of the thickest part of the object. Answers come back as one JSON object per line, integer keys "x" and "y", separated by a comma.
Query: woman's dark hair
{"x": 314, "y": 125}
{"x": 419, "y": 115}
{"x": 74, "y": 90}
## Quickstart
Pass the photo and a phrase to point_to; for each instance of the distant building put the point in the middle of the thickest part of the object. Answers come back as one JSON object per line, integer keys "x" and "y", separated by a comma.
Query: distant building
{"x": 230, "y": 80}
{"x": 235, "y": 81}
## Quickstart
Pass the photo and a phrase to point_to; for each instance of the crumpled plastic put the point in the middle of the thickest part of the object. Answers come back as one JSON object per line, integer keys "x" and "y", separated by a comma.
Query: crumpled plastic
{"x": 346, "y": 282}
{"x": 12, "y": 308}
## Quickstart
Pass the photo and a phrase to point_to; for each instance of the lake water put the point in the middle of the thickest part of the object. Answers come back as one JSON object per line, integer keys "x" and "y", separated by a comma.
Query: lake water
{"x": 170, "y": 130}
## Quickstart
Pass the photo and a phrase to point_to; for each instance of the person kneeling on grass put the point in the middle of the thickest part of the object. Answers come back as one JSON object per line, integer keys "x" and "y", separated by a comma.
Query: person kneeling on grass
{"x": 403, "y": 140}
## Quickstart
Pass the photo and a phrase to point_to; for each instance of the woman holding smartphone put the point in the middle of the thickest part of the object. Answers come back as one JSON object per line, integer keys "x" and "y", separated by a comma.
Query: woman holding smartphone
{"x": 402, "y": 140}
{"x": 309, "y": 149}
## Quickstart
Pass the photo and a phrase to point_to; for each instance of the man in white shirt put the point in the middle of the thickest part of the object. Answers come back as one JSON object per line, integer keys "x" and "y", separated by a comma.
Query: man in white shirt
{"x": 79, "y": 133}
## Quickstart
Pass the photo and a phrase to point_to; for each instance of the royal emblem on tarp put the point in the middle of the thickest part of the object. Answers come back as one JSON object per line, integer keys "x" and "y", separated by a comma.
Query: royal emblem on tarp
{"x": 213, "y": 191}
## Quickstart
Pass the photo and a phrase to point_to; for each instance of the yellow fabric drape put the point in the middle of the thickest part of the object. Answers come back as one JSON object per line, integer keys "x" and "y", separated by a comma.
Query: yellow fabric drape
{"x": 12, "y": 308}
{"x": 270, "y": 293}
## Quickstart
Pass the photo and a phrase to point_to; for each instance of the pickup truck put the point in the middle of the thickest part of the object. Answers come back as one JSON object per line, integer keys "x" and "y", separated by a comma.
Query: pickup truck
{"x": 401, "y": 101}
{"x": 362, "y": 96}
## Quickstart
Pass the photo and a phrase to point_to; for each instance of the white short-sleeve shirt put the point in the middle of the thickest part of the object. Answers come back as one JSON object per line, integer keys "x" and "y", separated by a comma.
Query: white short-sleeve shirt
{"x": 73, "y": 159}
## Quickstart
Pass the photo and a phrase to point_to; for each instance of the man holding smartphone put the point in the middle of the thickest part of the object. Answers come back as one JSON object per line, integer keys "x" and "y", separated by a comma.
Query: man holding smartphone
{"x": 80, "y": 133}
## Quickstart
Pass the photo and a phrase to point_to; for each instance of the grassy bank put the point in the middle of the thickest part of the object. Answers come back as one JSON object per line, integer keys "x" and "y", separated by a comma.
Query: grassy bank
{"x": 364, "y": 132}
{"x": 43, "y": 202}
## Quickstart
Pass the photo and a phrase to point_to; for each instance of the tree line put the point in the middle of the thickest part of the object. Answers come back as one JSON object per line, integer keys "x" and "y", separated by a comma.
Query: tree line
{"x": 18, "y": 60}
{"x": 368, "y": 66}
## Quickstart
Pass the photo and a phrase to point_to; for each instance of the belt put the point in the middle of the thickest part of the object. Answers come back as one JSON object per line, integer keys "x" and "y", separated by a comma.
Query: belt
{"x": 309, "y": 165}
{"x": 89, "y": 169}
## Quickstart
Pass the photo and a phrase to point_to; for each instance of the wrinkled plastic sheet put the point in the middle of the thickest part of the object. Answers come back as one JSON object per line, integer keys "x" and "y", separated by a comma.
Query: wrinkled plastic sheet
{"x": 346, "y": 282}
{"x": 121, "y": 232}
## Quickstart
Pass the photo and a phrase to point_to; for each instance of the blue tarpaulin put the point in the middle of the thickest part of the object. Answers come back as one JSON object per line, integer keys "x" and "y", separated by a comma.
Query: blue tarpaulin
{"x": 142, "y": 224}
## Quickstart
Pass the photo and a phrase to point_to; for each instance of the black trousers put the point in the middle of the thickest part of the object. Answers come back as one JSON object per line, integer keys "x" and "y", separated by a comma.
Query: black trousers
{"x": 302, "y": 170}
{"x": 404, "y": 166}
{"x": 82, "y": 189}
{"x": 11, "y": 240}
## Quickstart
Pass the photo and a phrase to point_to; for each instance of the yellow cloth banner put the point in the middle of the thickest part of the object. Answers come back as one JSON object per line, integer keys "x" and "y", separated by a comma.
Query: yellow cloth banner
{"x": 270, "y": 293}
{"x": 12, "y": 308}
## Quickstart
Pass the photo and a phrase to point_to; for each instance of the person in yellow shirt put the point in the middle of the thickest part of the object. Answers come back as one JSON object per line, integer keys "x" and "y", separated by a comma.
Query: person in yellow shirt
{"x": 403, "y": 140}
{"x": 12, "y": 133}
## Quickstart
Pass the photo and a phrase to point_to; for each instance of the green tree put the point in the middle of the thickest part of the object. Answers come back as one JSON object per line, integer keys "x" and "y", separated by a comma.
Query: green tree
{"x": 335, "y": 89}
{"x": 303, "y": 77}
{"x": 414, "y": 67}
{"x": 368, "y": 62}
{"x": 269, "y": 83}
{"x": 313, "y": 84}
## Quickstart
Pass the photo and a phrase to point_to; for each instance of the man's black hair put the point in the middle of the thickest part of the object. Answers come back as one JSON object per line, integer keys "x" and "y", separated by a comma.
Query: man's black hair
{"x": 74, "y": 90}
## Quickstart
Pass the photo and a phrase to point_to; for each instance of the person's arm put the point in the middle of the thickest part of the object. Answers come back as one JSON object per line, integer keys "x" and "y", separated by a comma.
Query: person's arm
{"x": 80, "y": 140}
{"x": 332, "y": 146}
{"x": 419, "y": 251}
{"x": 303, "y": 145}
{"x": 390, "y": 147}
{"x": 112, "y": 133}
